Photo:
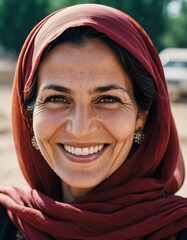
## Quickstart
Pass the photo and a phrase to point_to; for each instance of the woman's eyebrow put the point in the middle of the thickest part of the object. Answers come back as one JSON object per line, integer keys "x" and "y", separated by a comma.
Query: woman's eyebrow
{"x": 100, "y": 89}
{"x": 107, "y": 88}
{"x": 57, "y": 88}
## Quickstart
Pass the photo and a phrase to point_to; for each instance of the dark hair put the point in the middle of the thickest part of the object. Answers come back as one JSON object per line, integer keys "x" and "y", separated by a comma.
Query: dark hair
{"x": 144, "y": 86}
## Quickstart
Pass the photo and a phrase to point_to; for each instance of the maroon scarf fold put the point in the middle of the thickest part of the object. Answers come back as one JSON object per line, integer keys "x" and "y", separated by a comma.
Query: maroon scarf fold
{"x": 127, "y": 205}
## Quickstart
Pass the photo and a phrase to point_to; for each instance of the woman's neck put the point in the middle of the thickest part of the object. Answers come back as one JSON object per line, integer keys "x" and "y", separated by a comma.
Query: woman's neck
{"x": 70, "y": 193}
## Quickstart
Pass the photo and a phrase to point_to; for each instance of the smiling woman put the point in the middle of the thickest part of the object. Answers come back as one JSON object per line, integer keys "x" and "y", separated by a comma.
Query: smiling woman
{"x": 93, "y": 94}
{"x": 94, "y": 133}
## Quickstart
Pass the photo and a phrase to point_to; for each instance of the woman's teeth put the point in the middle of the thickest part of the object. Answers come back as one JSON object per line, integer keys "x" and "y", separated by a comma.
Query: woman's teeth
{"x": 83, "y": 151}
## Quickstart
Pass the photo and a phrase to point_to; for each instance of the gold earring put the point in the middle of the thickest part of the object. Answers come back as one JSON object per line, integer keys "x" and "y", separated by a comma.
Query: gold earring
{"x": 139, "y": 136}
{"x": 34, "y": 143}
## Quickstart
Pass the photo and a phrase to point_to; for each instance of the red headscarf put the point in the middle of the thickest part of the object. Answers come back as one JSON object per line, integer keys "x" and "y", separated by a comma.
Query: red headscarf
{"x": 127, "y": 205}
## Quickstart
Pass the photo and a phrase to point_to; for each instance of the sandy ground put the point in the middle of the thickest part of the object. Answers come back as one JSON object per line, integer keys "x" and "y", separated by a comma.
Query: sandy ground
{"x": 9, "y": 170}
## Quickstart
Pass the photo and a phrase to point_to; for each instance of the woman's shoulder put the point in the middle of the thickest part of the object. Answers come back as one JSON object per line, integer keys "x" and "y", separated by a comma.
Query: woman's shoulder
{"x": 7, "y": 228}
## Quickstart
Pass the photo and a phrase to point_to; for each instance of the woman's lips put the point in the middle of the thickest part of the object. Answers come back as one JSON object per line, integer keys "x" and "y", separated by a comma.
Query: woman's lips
{"x": 83, "y": 155}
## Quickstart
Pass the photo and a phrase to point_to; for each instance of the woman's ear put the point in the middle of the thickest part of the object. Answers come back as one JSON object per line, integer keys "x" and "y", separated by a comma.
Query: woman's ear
{"x": 141, "y": 119}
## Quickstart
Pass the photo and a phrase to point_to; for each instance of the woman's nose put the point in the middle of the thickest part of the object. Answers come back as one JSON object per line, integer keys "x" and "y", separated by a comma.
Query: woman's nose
{"x": 82, "y": 122}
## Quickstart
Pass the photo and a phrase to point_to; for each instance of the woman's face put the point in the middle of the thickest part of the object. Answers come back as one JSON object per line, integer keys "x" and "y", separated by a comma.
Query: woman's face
{"x": 85, "y": 115}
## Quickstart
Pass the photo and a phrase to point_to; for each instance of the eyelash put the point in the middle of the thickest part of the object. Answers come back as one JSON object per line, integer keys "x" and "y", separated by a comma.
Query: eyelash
{"x": 57, "y": 99}
{"x": 109, "y": 99}
{"x": 103, "y": 100}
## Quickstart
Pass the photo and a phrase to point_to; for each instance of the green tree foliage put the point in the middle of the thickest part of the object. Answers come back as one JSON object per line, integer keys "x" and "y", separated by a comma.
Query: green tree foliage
{"x": 17, "y": 18}
{"x": 176, "y": 33}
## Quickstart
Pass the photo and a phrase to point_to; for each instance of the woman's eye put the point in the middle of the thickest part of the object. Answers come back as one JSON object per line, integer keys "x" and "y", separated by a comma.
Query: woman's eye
{"x": 57, "y": 99}
{"x": 109, "y": 99}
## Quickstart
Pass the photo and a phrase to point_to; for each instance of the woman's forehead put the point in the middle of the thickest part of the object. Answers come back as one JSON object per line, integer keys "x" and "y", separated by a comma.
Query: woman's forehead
{"x": 93, "y": 64}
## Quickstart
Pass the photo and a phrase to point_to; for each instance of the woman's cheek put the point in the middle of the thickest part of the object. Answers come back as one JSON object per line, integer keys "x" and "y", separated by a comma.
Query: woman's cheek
{"x": 44, "y": 122}
{"x": 120, "y": 124}
{"x": 47, "y": 122}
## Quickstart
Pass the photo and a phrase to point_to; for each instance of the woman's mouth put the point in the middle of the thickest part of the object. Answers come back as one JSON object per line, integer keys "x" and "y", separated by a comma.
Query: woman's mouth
{"x": 83, "y": 154}
{"x": 84, "y": 151}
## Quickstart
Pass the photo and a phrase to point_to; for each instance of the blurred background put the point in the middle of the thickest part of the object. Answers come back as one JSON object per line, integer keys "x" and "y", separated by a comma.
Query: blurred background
{"x": 165, "y": 21}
